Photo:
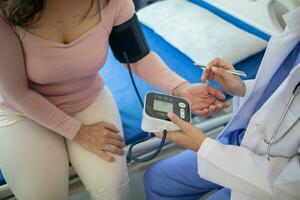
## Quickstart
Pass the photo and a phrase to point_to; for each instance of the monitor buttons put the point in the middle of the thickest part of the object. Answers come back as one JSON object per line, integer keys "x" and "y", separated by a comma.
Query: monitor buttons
{"x": 182, "y": 113}
{"x": 181, "y": 105}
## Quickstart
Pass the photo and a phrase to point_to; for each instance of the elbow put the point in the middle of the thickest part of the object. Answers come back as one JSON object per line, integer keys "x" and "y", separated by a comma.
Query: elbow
{"x": 13, "y": 96}
{"x": 145, "y": 58}
{"x": 142, "y": 62}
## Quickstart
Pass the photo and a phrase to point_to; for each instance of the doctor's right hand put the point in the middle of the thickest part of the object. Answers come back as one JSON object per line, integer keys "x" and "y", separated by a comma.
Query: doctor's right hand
{"x": 101, "y": 138}
{"x": 230, "y": 83}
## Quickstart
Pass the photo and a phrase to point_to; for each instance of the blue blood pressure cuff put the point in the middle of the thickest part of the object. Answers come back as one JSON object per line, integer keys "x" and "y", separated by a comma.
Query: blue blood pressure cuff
{"x": 128, "y": 42}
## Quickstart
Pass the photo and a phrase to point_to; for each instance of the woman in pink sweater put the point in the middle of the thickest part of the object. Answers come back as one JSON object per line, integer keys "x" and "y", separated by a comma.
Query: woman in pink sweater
{"x": 54, "y": 106}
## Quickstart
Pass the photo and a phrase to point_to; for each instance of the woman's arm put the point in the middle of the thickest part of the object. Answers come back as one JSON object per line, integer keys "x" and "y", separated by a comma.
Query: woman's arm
{"x": 155, "y": 72}
{"x": 204, "y": 100}
{"x": 151, "y": 68}
{"x": 15, "y": 90}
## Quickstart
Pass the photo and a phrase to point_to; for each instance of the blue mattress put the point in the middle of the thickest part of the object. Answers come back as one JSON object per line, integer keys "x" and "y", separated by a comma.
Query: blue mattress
{"x": 116, "y": 77}
{"x": 2, "y": 181}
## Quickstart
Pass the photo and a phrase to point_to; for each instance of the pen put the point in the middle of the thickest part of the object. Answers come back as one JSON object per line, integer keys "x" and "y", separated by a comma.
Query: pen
{"x": 232, "y": 71}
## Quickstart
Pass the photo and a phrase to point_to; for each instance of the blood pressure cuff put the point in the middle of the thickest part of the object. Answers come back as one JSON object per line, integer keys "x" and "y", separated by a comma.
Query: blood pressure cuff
{"x": 128, "y": 41}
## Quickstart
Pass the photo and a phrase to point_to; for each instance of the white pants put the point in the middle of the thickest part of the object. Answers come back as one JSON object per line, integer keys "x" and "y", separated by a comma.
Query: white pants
{"x": 35, "y": 161}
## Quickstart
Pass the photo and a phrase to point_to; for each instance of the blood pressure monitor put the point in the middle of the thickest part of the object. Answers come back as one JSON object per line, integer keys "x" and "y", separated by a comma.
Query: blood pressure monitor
{"x": 156, "y": 108}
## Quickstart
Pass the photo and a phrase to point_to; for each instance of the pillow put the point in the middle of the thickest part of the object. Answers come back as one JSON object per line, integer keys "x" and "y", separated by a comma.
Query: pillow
{"x": 198, "y": 33}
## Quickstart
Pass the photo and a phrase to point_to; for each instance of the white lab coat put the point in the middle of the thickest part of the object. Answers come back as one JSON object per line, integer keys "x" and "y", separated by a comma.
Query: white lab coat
{"x": 245, "y": 169}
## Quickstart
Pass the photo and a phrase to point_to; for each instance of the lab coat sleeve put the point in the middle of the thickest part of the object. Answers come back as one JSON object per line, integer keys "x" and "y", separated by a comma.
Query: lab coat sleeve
{"x": 240, "y": 169}
{"x": 239, "y": 101}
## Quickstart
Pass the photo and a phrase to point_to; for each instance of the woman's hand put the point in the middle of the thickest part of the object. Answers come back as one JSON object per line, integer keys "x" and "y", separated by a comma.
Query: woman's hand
{"x": 204, "y": 100}
{"x": 188, "y": 137}
{"x": 101, "y": 138}
{"x": 230, "y": 83}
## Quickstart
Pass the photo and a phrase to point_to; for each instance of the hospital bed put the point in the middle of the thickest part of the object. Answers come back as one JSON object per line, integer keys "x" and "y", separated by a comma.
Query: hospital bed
{"x": 266, "y": 21}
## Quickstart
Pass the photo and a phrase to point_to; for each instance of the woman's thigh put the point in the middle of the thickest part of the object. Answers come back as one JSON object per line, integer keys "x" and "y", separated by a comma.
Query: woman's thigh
{"x": 34, "y": 161}
{"x": 102, "y": 179}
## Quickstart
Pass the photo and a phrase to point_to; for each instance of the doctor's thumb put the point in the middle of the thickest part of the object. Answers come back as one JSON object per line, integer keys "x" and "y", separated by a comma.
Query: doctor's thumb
{"x": 176, "y": 120}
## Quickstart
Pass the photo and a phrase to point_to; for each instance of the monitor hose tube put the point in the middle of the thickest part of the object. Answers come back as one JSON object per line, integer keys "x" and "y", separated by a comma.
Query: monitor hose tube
{"x": 150, "y": 135}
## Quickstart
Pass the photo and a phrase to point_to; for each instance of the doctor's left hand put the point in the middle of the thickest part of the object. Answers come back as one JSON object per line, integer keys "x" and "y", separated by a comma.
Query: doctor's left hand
{"x": 189, "y": 137}
{"x": 204, "y": 99}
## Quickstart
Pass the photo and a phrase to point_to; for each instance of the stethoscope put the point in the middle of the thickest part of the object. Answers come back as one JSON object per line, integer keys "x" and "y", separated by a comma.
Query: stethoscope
{"x": 272, "y": 140}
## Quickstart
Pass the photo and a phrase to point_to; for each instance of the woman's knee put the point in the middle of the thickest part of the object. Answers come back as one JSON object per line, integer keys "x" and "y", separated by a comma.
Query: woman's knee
{"x": 103, "y": 180}
{"x": 36, "y": 189}
{"x": 111, "y": 186}
{"x": 119, "y": 192}
{"x": 34, "y": 162}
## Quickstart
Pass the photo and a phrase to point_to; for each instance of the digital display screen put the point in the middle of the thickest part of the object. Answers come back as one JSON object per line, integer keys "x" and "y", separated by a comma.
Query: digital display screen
{"x": 162, "y": 106}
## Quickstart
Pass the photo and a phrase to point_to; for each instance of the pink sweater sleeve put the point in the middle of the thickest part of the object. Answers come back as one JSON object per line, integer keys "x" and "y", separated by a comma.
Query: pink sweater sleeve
{"x": 151, "y": 68}
{"x": 16, "y": 92}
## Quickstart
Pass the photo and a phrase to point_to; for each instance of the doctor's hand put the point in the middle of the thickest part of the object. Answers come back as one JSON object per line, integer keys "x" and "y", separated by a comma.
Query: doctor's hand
{"x": 204, "y": 100}
{"x": 230, "y": 83}
{"x": 189, "y": 137}
{"x": 101, "y": 138}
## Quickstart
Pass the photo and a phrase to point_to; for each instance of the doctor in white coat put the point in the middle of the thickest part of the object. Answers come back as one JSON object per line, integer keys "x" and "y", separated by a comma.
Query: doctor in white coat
{"x": 243, "y": 168}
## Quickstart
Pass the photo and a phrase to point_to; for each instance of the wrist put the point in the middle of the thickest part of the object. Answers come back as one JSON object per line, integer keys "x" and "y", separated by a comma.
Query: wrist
{"x": 178, "y": 90}
{"x": 198, "y": 142}
{"x": 81, "y": 131}
{"x": 242, "y": 91}
{"x": 238, "y": 89}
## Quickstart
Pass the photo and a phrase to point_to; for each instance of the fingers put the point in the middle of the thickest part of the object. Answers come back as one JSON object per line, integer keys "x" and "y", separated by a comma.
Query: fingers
{"x": 114, "y": 136}
{"x": 105, "y": 156}
{"x": 110, "y": 127}
{"x": 201, "y": 112}
{"x": 216, "y": 107}
{"x": 117, "y": 143}
{"x": 220, "y": 63}
{"x": 212, "y": 109}
{"x": 216, "y": 70}
{"x": 113, "y": 149}
{"x": 205, "y": 75}
{"x": 222, "y": 105}
{"x": 207, "y": 114}
{"x": 179, "y": 122}
{"x": 216, "y": 93}
{"x": 170, "y": 135}
{"x": 227, "y": 105}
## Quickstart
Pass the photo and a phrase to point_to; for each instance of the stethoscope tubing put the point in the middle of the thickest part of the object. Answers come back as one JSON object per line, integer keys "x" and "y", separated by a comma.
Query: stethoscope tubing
{"x": 272, "y": 140}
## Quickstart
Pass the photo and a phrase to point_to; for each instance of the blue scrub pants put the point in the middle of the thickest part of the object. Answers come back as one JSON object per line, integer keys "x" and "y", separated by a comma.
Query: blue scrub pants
{"x": 176, "y": 178}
